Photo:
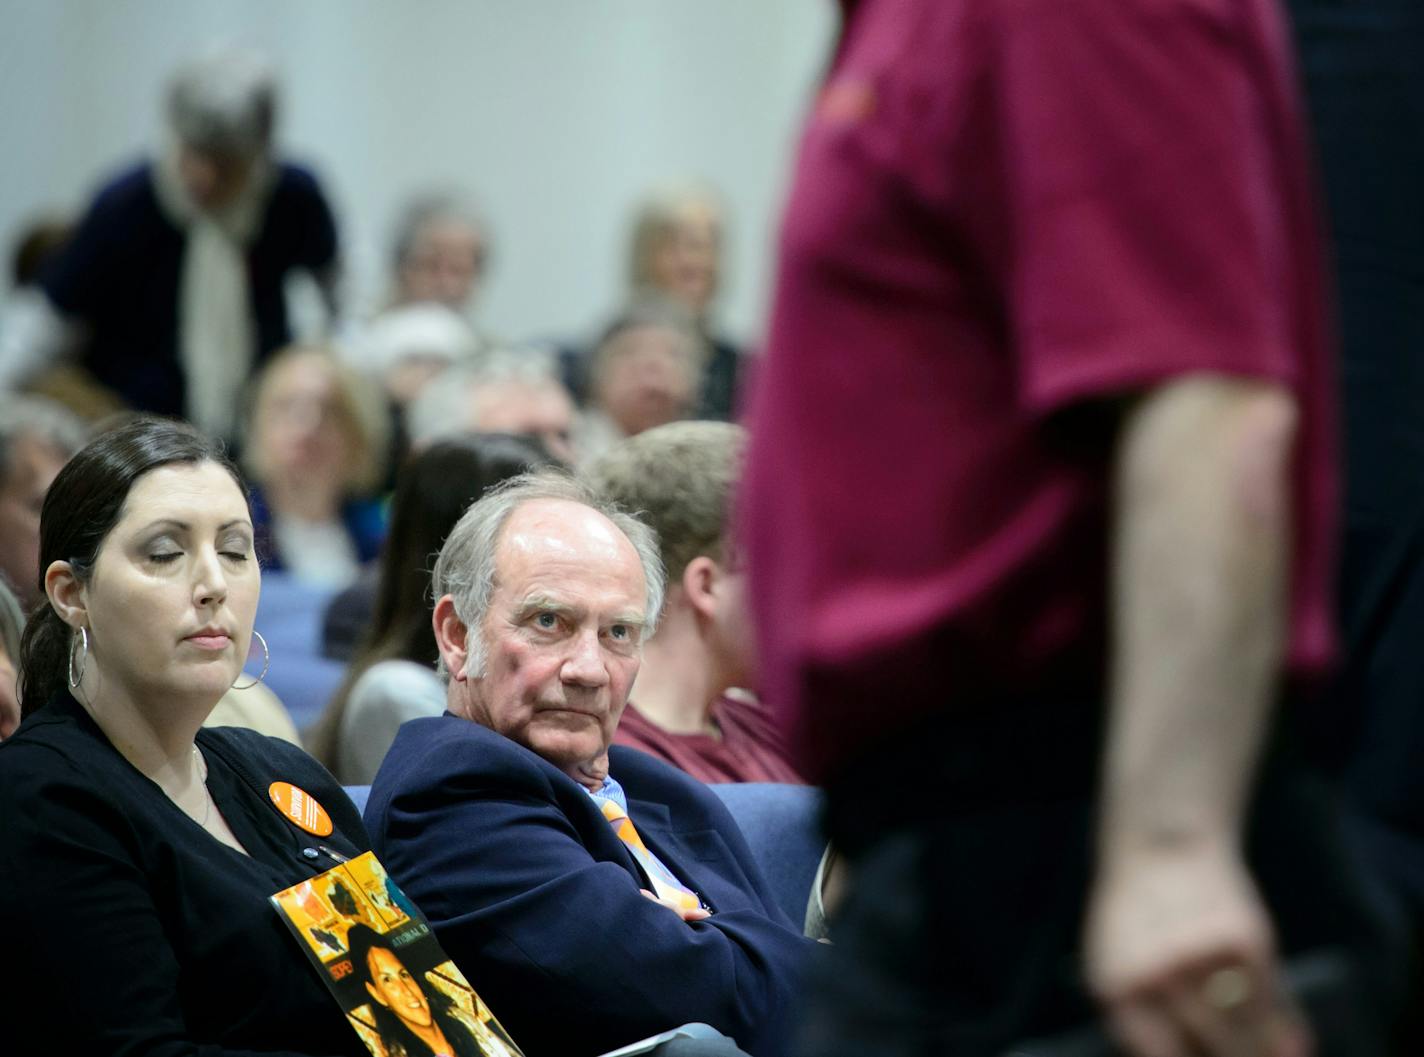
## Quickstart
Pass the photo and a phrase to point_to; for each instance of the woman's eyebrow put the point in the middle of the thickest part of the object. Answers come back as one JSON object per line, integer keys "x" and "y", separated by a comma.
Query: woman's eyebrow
{"x": 167, "y": 522}
{"x": 183, "y": 526}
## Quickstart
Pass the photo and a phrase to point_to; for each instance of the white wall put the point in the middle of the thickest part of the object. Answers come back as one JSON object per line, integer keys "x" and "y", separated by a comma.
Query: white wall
{"x": 555, "y": 114}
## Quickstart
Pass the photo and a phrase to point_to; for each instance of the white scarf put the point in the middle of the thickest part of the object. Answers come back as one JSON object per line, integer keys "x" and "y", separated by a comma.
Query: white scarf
{"x": 215, "y": 319}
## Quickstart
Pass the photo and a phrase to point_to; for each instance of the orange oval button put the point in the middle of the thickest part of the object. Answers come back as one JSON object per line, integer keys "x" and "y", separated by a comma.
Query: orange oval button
{"x": 299, "y": 807}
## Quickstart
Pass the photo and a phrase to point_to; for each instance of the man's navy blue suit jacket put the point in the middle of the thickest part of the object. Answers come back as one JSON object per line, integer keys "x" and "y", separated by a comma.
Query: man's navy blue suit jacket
{"x": 537, "y": 900}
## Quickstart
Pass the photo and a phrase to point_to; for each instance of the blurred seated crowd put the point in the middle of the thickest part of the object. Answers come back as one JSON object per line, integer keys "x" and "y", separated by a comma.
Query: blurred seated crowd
{"x": 188, "y": 287}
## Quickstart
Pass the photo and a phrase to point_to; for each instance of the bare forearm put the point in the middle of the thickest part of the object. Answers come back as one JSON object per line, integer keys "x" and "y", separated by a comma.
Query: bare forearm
{"x": 1198, "y": 607}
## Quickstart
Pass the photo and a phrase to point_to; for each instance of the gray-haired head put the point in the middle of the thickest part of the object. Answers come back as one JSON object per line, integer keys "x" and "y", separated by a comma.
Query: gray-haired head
{"x": 427, "y": 210}
{"x": 465, "y": 569}
{"x": 49, "y": 422}
{"x": 450, "y": 404}
{"x": 224, "y": 103}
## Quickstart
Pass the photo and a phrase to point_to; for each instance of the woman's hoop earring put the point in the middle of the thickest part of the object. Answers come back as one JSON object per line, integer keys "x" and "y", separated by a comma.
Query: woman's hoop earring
{"x": 266, "y": 663}
{"x": 83, "y": 640}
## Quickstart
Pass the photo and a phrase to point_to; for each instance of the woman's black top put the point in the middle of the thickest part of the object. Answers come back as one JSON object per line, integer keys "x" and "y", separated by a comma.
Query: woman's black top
{"x": 126, "y": 928}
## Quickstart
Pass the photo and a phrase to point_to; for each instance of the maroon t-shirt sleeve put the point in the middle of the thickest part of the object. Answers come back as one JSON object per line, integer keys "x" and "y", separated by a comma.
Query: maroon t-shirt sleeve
{"x": 1146, "y": 233}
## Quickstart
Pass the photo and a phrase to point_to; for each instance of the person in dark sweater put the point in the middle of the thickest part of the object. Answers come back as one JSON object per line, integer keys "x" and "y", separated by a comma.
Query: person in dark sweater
{"x": 138, "y": 851}
{"x": 171, "y": 288}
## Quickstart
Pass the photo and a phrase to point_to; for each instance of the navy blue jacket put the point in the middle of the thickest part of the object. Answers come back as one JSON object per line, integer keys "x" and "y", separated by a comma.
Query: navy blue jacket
{"x": 536, "y": 899}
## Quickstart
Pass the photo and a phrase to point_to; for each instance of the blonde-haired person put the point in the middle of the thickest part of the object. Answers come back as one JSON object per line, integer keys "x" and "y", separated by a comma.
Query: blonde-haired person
{"x": 676, "y": 252}
{"x": 317, "y": 443}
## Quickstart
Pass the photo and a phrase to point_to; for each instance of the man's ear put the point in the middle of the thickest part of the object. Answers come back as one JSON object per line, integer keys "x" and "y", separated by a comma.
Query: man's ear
{"x": 66, "y": 594}
{"x": 451, "y": 637}
{"x": 699, "y": 585}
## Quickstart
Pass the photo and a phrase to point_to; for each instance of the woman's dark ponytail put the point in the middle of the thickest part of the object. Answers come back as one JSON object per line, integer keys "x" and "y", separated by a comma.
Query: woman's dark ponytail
{"x": 44, "y": 657}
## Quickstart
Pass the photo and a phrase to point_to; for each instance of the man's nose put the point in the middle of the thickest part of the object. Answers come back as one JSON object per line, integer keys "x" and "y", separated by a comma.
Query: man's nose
{"x": 585, "y": 665}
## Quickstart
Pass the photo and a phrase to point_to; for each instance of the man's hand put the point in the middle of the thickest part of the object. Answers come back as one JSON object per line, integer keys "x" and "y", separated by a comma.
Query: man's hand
{"x": 1180, "y": 953}
{"x": 692, "y": 914}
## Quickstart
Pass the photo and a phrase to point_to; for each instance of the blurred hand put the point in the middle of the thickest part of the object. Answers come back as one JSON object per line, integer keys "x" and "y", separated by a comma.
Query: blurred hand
{"x": 694, "y": 914}
{"x": 1181, "y": 956}
{"x": 9, "y": 698}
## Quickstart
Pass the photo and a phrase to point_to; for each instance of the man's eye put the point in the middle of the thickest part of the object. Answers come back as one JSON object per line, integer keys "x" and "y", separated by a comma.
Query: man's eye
{"x": 235, "y": 556}
{"x": 547, "y": 621}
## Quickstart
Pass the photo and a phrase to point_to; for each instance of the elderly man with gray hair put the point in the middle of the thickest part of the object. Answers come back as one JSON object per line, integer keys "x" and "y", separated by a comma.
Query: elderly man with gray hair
{"x": 506, "y": 391}
{"x": 597, "y": 895}
{"x": 173, "y": 286}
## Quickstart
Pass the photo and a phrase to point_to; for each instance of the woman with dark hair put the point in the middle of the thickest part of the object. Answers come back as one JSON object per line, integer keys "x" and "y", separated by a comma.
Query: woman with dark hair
{"x": 138, "y": 850}
{"x": 412, "y": 1021}
{"x": 392, "y": 678}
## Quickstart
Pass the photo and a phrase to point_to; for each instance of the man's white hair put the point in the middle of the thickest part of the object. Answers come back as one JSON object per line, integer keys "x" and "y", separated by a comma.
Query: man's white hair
{"x": 224, "y": 101}
{"x": 465, "y": 569}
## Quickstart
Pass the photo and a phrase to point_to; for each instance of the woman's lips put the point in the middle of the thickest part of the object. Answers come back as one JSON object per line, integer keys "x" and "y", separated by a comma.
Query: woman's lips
{"x": 209, "y": 642}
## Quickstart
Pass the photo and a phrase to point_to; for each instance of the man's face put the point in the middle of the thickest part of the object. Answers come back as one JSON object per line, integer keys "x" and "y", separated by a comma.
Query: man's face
{"x": 685, "y": 261}
{"x": 212, "y": 181}
{"x": 543, "y": 411}
{"x": 562, "y": 637}
{"x": 732, "y": 636}
{"x": 33, "y": 465}
{"x": 445, "y": 264}
{"x": 648, "y": 379}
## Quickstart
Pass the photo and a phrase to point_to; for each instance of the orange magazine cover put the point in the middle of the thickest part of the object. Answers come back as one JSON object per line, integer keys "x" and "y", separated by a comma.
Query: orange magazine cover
{"x": 400, "y": 992}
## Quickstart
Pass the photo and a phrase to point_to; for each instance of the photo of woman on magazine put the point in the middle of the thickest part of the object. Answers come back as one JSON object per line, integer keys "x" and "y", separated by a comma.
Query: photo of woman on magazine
{"x": 411, "y": 1020}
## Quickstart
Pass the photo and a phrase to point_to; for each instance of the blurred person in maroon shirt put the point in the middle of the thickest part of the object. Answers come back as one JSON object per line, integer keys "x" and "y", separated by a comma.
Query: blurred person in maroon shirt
{"x": 1039, "y": 511}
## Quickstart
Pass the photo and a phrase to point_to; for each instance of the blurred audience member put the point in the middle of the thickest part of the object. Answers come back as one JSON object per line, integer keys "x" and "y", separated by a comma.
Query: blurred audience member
{"x": 1365, "y": 84}
{"x": 677, "y": 252}
{"x": 690, "y": 705}
{"x": 62, "y": 381}
{"x": 441, "y": 248}
{"x": 12, "y": 625}
{"x": 644, "y": 373}
{"x": 316, "y": 447}
{"x": 510, "y": 392}
{"x": 39, "y": 243}
{"x": 393, "y": 676}
{"x": 255, "y": 708}
{"x": 406, "y": 347}
{"x": 37, "y": 437}
{"x": 176, "y": 271}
